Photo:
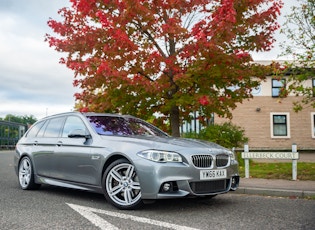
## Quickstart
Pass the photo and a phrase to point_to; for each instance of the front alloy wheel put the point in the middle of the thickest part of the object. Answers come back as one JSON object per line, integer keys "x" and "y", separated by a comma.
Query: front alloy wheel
{"x": 26, "y": 176}
{"x": 121, "y": 185}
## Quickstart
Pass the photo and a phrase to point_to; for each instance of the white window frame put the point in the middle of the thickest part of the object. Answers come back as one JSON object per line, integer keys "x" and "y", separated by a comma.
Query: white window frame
{"x": 313, "y": 124}
{"x": 288, "y": 125}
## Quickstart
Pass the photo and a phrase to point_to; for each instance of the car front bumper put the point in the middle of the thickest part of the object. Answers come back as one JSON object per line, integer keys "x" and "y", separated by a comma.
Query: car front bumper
{"x": 175, "y": 180}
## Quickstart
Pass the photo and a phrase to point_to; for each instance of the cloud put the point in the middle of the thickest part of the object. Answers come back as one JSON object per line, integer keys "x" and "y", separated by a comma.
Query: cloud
{"x": 32, "y": 80}
{"x": 275, "y": 53}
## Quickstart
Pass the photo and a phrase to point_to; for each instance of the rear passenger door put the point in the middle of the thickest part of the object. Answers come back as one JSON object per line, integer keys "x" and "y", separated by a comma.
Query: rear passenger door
{"x": 45, "y": 143}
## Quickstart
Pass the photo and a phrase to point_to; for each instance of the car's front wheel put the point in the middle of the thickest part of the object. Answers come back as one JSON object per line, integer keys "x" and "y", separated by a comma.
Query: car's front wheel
{"x": 121, "y": 185}
{"x": 26, "y": 175}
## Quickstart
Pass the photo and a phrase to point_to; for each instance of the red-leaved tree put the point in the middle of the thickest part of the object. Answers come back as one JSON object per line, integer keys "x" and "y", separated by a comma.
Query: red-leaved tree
{"x": 170, "y": 57}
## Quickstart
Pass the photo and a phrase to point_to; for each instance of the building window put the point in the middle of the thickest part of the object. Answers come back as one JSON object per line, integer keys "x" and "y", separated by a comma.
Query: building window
{"x": 280, "y": 125}
{"x": 276, "y": 87}
{"x": 313, "y": 124}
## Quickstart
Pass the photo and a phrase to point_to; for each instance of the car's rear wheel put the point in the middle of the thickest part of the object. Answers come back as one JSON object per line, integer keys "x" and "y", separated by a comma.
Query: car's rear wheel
{"x": 121, "y": 185}
{"x": 26, "y": 175}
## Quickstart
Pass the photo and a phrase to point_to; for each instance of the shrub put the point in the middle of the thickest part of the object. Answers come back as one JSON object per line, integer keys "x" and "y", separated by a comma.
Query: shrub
{"x": 226, "y": 134}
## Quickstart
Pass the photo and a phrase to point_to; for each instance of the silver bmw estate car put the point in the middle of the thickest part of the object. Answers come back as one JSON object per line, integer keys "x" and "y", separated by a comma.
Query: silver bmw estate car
{"x": 127, "y": 159}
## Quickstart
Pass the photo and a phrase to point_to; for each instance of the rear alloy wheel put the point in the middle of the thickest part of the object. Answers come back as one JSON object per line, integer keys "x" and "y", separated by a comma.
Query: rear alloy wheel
{"x": 121, "y": 185}
{"x": 26, "y": 175}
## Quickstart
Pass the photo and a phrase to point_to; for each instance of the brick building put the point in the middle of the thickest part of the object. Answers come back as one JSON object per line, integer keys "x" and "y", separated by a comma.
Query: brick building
{"x": 270, "y": 122}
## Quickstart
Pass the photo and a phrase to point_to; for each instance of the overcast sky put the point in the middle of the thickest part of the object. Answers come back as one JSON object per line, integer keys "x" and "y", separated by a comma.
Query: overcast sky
{"x": 32, "y": 82}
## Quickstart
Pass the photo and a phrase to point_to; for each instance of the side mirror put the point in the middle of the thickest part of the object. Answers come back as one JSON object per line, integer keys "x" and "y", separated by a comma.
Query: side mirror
{"x": 79, "y": 133}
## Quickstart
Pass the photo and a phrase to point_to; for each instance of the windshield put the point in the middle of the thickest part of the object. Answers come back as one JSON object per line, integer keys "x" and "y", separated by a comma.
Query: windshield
{"x": 120, "y": 126}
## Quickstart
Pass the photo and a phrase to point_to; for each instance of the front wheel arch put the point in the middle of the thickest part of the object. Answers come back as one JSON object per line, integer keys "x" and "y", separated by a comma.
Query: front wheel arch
{"x": 121, "y": 185}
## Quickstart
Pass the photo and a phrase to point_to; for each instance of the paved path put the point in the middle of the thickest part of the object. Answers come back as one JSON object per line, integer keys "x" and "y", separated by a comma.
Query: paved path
{"x": 285, "y": 188}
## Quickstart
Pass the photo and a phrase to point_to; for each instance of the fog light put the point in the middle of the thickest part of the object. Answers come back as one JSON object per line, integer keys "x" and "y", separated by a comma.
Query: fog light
{"x": 235, "y": 183}
{"x": 166, "y": 187}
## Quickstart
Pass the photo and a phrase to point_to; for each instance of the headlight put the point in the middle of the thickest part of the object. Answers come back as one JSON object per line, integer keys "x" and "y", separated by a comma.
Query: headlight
{"x": 160, "y": 156}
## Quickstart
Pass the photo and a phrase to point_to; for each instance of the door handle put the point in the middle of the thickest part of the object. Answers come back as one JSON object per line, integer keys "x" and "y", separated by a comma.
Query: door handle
{"x": 59, "y": 143}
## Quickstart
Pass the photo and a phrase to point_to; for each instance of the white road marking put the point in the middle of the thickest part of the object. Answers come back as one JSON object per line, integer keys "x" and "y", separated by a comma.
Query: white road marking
{"x": 89, "y": 213}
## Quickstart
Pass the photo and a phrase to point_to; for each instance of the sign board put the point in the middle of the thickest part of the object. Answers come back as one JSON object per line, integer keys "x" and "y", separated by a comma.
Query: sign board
{"x": 294, "y": 156}
{"x": 271, "y": 155}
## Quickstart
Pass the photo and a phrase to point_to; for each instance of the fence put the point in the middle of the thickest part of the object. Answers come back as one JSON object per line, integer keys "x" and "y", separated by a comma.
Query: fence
{"x": 10, "y": 133}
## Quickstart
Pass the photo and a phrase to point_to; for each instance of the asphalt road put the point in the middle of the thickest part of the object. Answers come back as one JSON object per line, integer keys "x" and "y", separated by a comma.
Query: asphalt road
{"x": 58, "y": 208}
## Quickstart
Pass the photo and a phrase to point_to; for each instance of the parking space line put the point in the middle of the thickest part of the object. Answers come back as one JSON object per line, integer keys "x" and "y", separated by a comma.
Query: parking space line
{"x": 90, "y": 214}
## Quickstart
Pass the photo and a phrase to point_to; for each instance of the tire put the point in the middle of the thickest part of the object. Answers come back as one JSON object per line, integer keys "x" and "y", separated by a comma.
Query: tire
{"x": 121, "y": 185}
{"x": 26, "y": 174}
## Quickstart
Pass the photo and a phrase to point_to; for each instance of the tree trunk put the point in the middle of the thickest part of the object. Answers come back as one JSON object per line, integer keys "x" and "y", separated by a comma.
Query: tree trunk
{"x": 174, "y": 118}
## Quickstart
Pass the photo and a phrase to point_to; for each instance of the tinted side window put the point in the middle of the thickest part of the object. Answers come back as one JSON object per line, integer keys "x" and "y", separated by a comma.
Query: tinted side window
{"x": 34, "y": 129}
{"x": 53, "y": 127}
{"x": 72, "y": 123}
{"x": 42, "y": 129}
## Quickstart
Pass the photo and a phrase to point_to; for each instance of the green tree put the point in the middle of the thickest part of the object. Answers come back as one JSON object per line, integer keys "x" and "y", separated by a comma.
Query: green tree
{"x": 27, "y": 120}
{"x": 170, "y": 57}
{"x": 300, "y": 31}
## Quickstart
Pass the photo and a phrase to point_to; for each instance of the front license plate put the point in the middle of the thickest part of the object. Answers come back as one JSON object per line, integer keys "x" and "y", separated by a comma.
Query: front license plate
{"x": 212, "y": 174}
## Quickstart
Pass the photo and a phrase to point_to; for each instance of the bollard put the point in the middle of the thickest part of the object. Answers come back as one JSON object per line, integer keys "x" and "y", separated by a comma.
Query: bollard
{"x": 294, "y": 163}
{"x": 246, "y": 150}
